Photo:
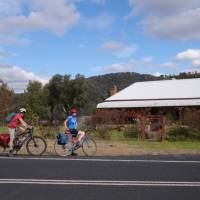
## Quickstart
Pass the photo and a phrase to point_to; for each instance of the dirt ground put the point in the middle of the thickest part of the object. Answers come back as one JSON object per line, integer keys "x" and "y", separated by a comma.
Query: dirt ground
{"x": 117, "y": 148}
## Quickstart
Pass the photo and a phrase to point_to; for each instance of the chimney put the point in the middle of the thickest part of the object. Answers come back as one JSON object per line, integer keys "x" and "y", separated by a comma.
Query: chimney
{"x": 113, "y": 90}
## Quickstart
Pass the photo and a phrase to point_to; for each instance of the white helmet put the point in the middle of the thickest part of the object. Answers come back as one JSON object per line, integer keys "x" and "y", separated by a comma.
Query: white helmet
{"x": 22, "y": 110}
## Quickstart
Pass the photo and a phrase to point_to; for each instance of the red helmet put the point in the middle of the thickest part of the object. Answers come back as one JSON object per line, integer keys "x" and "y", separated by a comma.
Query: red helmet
{"x": 73, "y": 110}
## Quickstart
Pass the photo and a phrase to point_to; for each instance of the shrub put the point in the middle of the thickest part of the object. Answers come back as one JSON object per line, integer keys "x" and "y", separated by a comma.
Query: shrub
{"x": 49, "y": 132}
{"x": 178, "y": 133}
{"x": 104, "y": 134}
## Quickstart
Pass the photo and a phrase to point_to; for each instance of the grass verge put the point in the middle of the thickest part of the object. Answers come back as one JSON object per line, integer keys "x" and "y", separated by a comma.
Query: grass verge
{"x": 117, "y": 145}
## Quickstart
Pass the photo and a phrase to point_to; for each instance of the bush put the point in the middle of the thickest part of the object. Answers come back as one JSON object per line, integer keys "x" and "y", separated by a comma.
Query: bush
{"x": 49, "y": 132}
{"x": 178, "y": 133}
{"x": 104, "y": 134}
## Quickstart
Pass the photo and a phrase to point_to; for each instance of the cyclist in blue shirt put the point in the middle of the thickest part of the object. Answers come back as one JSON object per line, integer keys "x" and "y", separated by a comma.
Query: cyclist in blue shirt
{"x": 71, "y": 124}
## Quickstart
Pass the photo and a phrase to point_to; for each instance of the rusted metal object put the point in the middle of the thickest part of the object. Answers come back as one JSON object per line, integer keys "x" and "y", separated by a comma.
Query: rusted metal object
{"x": 121, "y": 117}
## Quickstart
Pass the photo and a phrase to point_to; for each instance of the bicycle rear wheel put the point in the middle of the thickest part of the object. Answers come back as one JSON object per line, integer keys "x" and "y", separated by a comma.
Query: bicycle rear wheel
{"x": 36, "y": 146}
{"x": 62, "y": 150}
{"x": 89, "y": 146}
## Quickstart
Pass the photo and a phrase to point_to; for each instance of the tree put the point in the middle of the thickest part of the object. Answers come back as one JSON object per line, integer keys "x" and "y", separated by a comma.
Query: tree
{"x": 6, "y": 99}
{"x": 93, "y": 98}
{"x": 79, "y": 92}
{"x": 35, "y": 99}
{"x": 66, "y": 92}
{"x": 59, "y": 94}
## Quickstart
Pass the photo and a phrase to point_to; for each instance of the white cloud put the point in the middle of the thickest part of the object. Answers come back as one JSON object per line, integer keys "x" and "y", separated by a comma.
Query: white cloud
{"x": 9, "y": 7}
{"x": 157, "y": 74}
{"x": 189, "y": 54}
{"x": 169, "y": 19}
{"x": 11, "y": 40}
{"x": 169, "y": 64}
{"x": 119, "y": 49}
{"x": 128, "y": 66}
{"x": 6, "y": 53}
{"x": 112, "y": 45}
{"x": 102, "y": 21}
{"x": 18, "y": 78}
{"x": 98, "y": 1}
{"x": 147, "y": 59}
{"x": 183, "y": 26}
{"x": 117, "y": 67}
{"x": 196, "y": 63}
{"x": 126, "y": 51}
{"x": 162, "y": 8}
{"x": 50, "y": 15}
{"x": 91, "y": 1}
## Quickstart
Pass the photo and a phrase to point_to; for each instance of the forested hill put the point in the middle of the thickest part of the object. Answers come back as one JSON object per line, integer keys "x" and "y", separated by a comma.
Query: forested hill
{"x": 103, "y": 83}
{"x": 99, "y": 86}
{"x": 47, "y": 101}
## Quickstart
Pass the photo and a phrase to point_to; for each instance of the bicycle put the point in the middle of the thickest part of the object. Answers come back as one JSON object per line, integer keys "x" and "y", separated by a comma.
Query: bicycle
{"x": 88, "y": 145}
{"x": 35, "y": 145}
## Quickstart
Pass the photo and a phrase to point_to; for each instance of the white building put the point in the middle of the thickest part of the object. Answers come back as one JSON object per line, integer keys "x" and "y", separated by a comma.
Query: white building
{"x": 159, "y": 100}
{"x": 164, "y": 93}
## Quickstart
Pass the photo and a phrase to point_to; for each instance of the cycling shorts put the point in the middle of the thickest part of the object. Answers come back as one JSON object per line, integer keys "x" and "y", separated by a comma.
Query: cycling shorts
{"x": 74, "y": 132}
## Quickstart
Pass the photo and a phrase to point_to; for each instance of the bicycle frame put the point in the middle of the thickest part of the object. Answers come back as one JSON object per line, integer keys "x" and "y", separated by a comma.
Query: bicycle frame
{"x": 75, "y": 140}
{"x": 28, "y": 135}
{"x": 86, "y": 143}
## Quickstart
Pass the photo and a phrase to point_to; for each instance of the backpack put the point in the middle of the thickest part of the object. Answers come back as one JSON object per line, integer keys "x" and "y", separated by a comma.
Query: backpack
{"x": 62, "y": 139}
{"x": 10, "y": 117}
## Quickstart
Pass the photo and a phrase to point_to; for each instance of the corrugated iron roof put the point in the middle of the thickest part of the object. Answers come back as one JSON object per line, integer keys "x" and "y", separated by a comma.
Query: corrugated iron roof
{"x": 180, "y": 92}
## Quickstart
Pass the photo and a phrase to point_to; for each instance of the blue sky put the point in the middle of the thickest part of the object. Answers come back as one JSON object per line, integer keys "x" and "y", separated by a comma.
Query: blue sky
{"x": 40, "y": 38}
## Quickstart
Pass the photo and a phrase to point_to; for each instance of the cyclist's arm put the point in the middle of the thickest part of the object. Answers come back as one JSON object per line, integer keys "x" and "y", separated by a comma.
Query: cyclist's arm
{"x": 65, "y": 124}
{"x": 24, "y": 123}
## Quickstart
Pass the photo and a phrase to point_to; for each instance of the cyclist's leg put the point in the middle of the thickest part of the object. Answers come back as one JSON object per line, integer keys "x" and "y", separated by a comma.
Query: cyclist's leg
{"x": 74, "y": 137}
{"x": 79, "y": 137}
{"x": 20, "y": 131}
{"x": 12, "y": 137}
{"x": 81, "y": 134}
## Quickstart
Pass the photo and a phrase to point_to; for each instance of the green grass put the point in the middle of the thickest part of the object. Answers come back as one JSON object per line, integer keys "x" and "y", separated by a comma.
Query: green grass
{"x": 153, "y": 145}
{"x": 137, "y": 143}
{"x": 3, "y": 129}
{"x": 112, "y": 135}
{"x": 166, "y": 145}
{"x": 117, "y": 135}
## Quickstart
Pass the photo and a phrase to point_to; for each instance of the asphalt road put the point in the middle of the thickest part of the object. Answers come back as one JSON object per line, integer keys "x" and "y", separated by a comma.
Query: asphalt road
{"x": 113, "y": 178}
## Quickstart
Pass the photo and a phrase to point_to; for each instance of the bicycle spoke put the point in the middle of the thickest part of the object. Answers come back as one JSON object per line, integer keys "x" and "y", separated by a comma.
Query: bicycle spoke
{"x": 89, "y": 146}
{"x": 36, "y": 146}
{"x": 62, "y": 150}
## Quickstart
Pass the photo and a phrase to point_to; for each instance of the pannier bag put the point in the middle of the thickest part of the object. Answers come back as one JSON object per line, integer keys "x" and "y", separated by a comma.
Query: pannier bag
{"x": 4, "y": 139}
{"x": 62, "y": 139}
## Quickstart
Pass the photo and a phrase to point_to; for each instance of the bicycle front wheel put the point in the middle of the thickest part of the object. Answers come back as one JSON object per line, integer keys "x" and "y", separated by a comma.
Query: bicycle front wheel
{"x": 62, "y": 150}
{"x": 36, "y": 146}
{"x": 89, "y": 146}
